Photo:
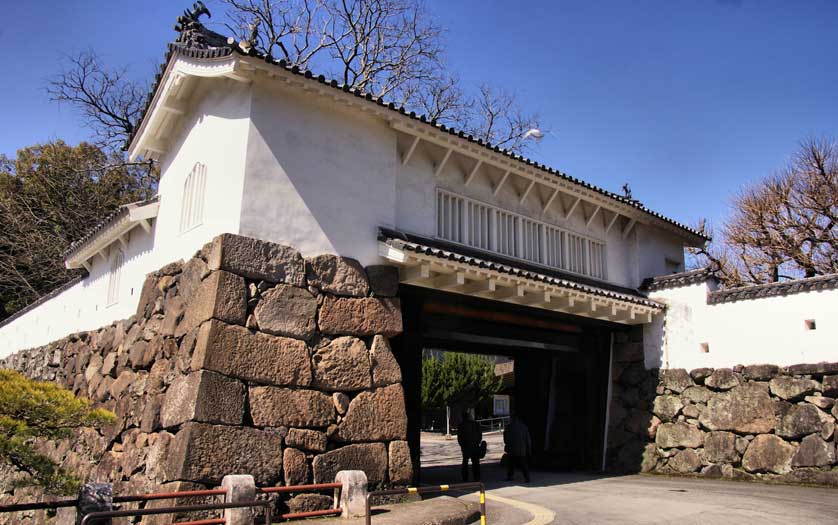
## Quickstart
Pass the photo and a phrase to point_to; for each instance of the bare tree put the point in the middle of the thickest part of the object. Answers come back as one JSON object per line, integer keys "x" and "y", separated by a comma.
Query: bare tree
{"x": 390, "y": 48}
{"x": 785, "y": 226}
{"x": 498, "y": 118}
{"x": 108, "y": 101}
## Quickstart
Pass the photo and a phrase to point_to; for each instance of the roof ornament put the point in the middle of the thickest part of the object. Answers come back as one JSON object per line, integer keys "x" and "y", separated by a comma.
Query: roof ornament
{"x": 627, "y": 191}
{"x": 195, "y": 34}
{"x": 252, "y": 39}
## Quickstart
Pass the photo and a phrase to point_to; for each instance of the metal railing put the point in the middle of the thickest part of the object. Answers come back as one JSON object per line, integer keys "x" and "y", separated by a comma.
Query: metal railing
{"x": 492, "y": 424}
{"x": 429, "y": 490}
{"x": 93, "y": 517}
{"x": 335, "y": 510}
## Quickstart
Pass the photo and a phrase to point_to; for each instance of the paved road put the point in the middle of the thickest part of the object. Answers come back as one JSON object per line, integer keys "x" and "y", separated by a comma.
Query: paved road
{"x": 585, "y": 499}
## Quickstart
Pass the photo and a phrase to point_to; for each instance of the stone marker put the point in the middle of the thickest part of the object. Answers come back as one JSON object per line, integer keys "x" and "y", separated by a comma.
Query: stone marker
{"x": 353, "y": 494}
{"x": 240, "y": 488}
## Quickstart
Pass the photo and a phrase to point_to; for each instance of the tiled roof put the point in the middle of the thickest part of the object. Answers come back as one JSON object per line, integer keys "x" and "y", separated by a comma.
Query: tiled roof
{"x": 203, "y": 51}
{"x": 759, "y": 291}
{"x": 676, "y": 279}
{"x": 501, "y": 264}
{"x": 113, "y": 217}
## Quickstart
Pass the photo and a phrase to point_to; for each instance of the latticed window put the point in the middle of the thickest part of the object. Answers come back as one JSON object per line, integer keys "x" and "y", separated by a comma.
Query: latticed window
{"x": 194, "y": 194}
{"x": 116, "y": 260}
{"x": 479, "y": 225}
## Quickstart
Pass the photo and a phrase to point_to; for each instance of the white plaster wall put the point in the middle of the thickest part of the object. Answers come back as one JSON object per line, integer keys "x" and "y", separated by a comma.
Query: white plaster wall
{"x": 319, "y": 177}
{"x": 767, "y": 330}
{"x": 84, "y": 305}
{"x": 214, "y": 134}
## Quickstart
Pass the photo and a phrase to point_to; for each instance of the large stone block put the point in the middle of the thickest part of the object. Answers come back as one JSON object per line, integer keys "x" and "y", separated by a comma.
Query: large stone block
{"x": 720, "y": 447}
{"x": 747, "y": 409}
{"x": 306, "y": 439}
{"x": 295, "y": 467}
{"x": 830, "y": 386}
{"x": 342, "y": 364}
{"x": 337, "y": 275}
{"x": 801, "y": 420}
{"x": 679, "y": 435}
{"x": 814, "y": 369}
{"x": 236, "y": 351}
{"x": 814, "y": 452}
{"x": 362, "y": 317}
{"x": 376, "y": 415}
{"x": 278, "y": 407}
{"x": 368, "y": 457}
{"x": 685, "y": 461}
{"x": 768, "y": 453}
{"x": 221, "y": 296}
{"x": 203, "y": 396}
{"x": 722, "y": 379}
{"x": 676, "y": 379}
{"x": 287, "y": 310}
{"x": 206, "y": 453}
{"x": 642, "y": 423}
{"x": 697, "y": 394}
{"x": 384, "y": 280}
{"x": 792, "y": 388}
{"x": 255, "y": 259}
{"x": 385, "y": 368}
{"x": 400, "y": 466}
{"x": 760, "y": 372}
{"x": 667, "y": 407}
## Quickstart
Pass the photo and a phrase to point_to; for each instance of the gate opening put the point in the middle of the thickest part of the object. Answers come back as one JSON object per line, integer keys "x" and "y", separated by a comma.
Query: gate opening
{"x": 555, "y": 368}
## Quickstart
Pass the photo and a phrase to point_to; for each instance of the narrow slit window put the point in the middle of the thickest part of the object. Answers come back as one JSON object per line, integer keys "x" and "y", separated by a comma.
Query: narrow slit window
{"x": 809, "y": 324}
{"x": 194, "y": 192}
{"x": 117, "y": 259}
{"x": 705, "y": 348}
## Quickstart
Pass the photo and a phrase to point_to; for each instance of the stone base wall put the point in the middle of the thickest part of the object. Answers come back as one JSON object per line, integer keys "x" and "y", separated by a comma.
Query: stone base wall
{"x": 245, "y": 359}
{"x": 760, "y": 422}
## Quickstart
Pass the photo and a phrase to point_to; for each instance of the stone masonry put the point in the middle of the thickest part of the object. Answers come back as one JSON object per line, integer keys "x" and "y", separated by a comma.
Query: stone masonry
{"x": 245, "y": 359}
{"x": 758, "y": 422}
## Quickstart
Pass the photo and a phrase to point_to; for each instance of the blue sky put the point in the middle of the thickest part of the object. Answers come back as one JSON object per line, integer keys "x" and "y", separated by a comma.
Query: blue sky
{"x": 686, "y": 100}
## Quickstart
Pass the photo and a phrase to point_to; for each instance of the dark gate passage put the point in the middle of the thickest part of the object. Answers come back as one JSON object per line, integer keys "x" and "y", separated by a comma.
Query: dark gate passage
{"x": 561, "y": 368}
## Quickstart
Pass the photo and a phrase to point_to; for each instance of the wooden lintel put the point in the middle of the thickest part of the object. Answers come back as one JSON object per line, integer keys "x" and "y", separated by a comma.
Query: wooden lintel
{"x": 486, "y": 286}
{"x": 410, "y": 150}
{"x": 500, "y": 182}
{"x": 473, "y": 172}
{"x": 527, "y": 192}
{"x": 593, "y": 216}
{"x": 628, "y": 228}
{"x": 416, "y": 274}
{"x": 572, "y": 208}
{"x": 550, "y": 200}
{"x": 449, "y": 281}
{"x": 444, "y": 161}
{"x": 510, "y": 292}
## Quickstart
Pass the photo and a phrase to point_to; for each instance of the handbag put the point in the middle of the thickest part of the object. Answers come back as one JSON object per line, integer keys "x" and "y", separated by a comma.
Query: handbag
{"x": 482, "y": 449}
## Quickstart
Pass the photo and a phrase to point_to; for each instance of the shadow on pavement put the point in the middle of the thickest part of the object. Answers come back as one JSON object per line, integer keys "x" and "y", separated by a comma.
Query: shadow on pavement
{"x": 494, "y": 476}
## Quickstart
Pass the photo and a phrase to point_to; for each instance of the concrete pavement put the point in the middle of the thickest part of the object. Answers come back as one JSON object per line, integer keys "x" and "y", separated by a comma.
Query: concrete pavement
{"x": 591, "y": 498}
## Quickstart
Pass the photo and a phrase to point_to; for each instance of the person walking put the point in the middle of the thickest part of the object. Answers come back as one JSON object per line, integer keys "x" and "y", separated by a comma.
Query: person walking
{"x": 518, "y": 447}
{"x": 469, "y": 437}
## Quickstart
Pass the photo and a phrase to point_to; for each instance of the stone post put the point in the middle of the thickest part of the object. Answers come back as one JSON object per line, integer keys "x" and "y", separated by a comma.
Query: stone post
{"x": 95, "y": 497}
{"x": 239, "y": 487}
{"x": 353, "y": 495}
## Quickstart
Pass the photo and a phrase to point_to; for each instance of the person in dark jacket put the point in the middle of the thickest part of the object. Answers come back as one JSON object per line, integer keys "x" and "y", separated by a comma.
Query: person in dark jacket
{"x": 518, "y": 447}
{"x": 469, "y": 437}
